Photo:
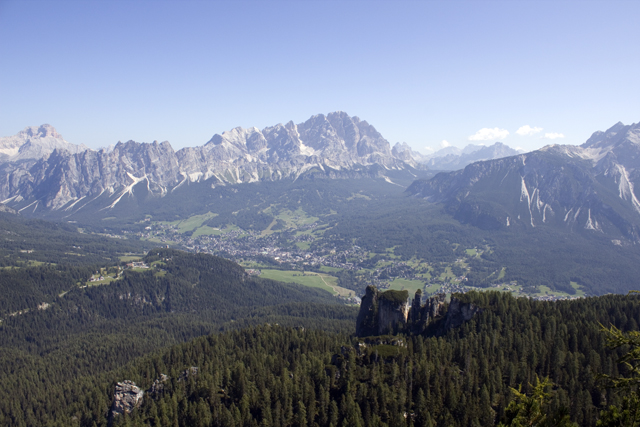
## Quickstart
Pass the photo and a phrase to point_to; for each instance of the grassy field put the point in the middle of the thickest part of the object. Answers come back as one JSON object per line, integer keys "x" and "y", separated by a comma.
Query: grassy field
{"x": 330, "y": 269}
{"x": 205, "y": 230}
{"x": 409, "y": 285}
{"x": 314, "y": 280}
{"x": 308, "y": 279}
{"x": 191, "y": 223}
{"x": 432, "y": 288}
{"x": 129, "y": 258}
{"x": 303, "y": 245}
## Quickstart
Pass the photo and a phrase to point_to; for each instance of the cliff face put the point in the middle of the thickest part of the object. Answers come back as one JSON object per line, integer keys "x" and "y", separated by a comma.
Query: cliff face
{"x": 389, "y": 312}
{"x": 367, "y": 322}
{"x": 459, "y": 313}
{"x": 393, "y": 310}
{"x": 382, "y": 313}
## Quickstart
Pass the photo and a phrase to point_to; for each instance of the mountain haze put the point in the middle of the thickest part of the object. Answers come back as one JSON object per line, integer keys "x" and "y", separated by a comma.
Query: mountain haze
{"x": 453, "y": 158}
{"x": 33, "y": 143}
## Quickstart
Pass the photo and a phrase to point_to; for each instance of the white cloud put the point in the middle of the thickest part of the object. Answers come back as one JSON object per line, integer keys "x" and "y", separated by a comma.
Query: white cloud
{"x": 553, "y": 135}
{"x": 427, "y": 149}
{"x": 486, "y": 134}
{"x": 445, "y": 144}
{"x": 528, "y": 130}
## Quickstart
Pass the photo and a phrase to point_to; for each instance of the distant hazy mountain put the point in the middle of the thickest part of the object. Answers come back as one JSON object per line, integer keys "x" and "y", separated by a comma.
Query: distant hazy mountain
{"x": 68, "y": 177}
{"x": 404, "y": 152}
{"x": 453, "y": 158}
{"x": 35, "y": 143}
{"x": 590, "y": 188}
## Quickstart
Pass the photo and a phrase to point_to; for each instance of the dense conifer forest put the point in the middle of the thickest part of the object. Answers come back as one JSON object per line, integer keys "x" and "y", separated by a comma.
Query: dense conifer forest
{"x": 288, "y": 374}
{"x": 213, "y": 346}
{"x": 85, "y": 331}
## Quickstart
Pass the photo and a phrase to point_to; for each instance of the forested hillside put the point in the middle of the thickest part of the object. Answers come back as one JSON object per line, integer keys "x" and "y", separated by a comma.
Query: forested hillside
{"x": 87, "y": 331}
{"x": 24, "y": 240}
{"x": 277, "y": 375}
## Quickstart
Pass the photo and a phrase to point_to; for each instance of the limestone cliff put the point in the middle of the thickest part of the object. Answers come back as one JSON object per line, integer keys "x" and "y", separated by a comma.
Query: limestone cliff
{"x": 367, "y": 322}
{"x": 389, "y": 312}
{"x": 458, "y": 313}
{"x": 393, "y": 310}
{"x": 382, "y": 312}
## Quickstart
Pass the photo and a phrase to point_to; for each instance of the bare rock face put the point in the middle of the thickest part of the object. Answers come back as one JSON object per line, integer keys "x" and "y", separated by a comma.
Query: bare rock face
{"x": 389, "y": 312}
{"x": 126, "y": 398}
{"x": 458, "y": 313}
{"x": 393, "y": 310}
{"x": 367, "y": 322}
{"x": 63, "y": 176}
{"x": 423, "y": 315}
{"x": 158, "y": 385}
{"x": 382, "y": 312}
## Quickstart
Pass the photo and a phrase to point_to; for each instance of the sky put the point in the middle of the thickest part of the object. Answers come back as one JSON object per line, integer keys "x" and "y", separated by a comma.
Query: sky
{"x": 428, "y": 73}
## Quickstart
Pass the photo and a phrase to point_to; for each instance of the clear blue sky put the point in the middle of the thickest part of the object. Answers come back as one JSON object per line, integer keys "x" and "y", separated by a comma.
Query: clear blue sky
{"x": 421, "y": 72}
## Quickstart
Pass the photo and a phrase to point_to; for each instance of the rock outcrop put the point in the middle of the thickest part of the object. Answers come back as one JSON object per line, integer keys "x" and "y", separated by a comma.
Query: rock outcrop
{"x": 367, "y": 322}
{"x": 126, "y": 398}
{"x": 389, "y": 312}
{"x": 382, "y": 313}
{"x": 422, "y": 315}
{"x": 458, "y": 313}
{"x": 393, "y": 309}
{"x": 158, "y": 385}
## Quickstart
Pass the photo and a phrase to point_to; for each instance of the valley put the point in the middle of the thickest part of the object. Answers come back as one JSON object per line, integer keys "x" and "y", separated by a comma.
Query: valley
{"x": 296, "y": 238}
{"x": 305, "y": 253}
{"x": 111, "y": 262}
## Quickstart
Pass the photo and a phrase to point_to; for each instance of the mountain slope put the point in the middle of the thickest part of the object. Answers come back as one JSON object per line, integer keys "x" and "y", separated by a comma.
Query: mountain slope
{"x": 334, "y": 146}
{"x": 588, "y": 189}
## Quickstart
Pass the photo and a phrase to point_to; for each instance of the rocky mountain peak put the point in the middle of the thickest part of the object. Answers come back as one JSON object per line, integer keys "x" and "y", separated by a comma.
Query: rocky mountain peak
{"x": 33, "y": 143}
{"x": 452, "y": 158}
{"x": 42, "y": 131}
{"x": 589, "y": 189}
{"x": 613, "y": 136}
{"x": 333, "y": 146}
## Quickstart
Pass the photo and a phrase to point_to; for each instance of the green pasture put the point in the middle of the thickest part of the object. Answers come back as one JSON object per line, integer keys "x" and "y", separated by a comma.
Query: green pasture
{"x": 191, "y": 223}
{"x": 408, "y": 285}
{"x": 314, "y": 280}
{"x": 129, "y": 258}
{"x": 205, "y": 230}
{"x": 306, "y": 279}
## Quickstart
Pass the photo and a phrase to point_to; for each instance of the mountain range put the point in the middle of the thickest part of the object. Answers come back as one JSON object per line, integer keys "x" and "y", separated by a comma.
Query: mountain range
{"x": 65, "y": 176}
{"x": 588, "y": 188}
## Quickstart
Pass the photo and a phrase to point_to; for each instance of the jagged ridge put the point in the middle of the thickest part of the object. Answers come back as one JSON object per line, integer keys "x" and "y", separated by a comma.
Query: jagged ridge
{"x": 589, "y": 188}
{"x": 334, "y": 145}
